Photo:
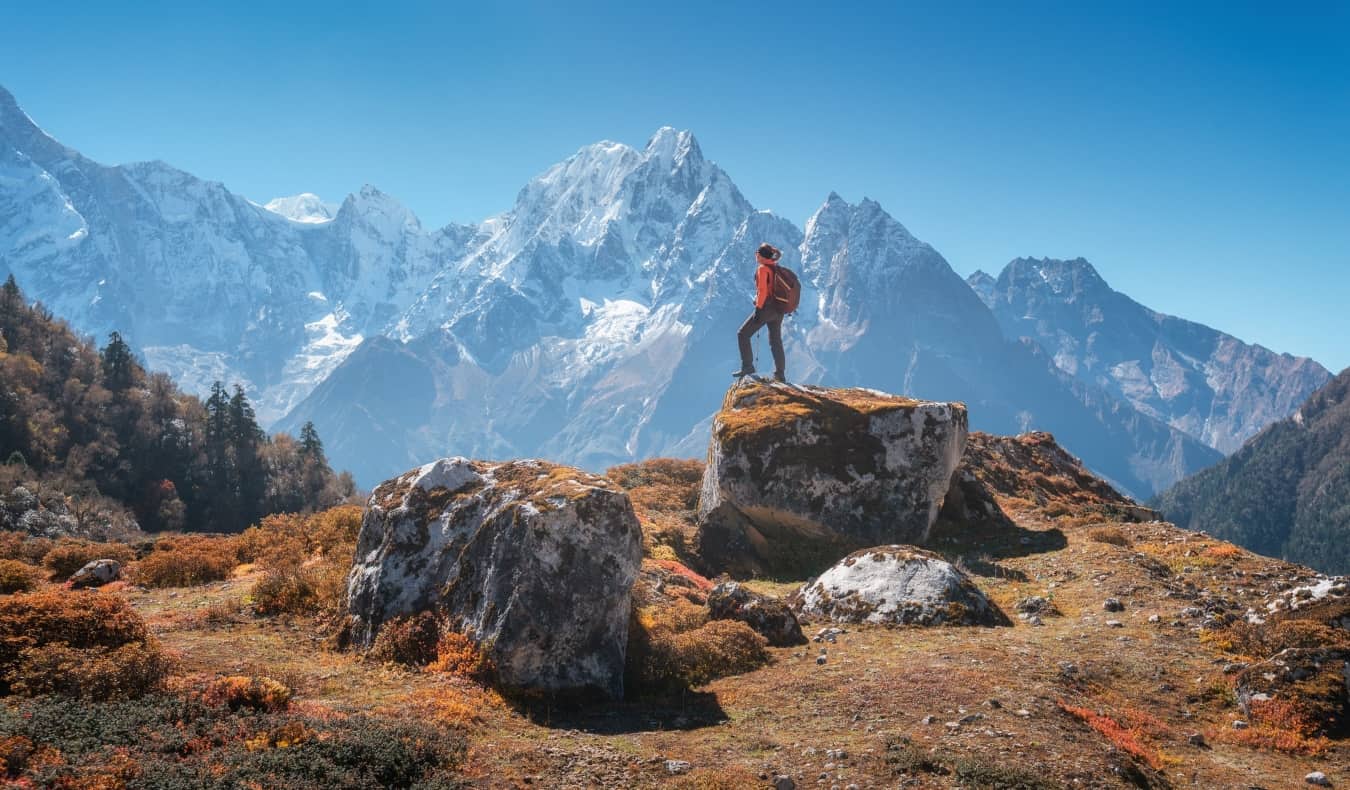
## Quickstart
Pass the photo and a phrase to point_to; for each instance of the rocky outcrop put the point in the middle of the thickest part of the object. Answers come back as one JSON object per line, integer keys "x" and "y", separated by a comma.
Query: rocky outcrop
{"x": 96, "y": 574}
{"x": 768, "y": 616}
{"x": 799, "y": 476}
{"x": 534, "y": 562}
{"x": 896, "y": 585}
{"x": 1033, "y": 469}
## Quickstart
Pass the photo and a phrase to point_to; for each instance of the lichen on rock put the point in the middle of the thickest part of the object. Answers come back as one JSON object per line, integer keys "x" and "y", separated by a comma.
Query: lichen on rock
{"x": 896, "y": 585}
{"x": 534, "y": 562}
{"x": 798, "y": 476}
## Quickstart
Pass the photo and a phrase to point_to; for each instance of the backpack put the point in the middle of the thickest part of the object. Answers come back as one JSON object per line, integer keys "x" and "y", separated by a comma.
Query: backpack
{"x": 787, "y": 289}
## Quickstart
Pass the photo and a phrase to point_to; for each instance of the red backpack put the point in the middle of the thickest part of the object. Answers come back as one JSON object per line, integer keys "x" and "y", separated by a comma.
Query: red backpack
{"x": 787, "y": 289}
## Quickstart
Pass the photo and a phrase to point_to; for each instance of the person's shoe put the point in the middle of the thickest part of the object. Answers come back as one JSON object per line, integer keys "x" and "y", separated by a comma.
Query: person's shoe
{"x": 743, "y": 372}
{"x": 778, "y": 376}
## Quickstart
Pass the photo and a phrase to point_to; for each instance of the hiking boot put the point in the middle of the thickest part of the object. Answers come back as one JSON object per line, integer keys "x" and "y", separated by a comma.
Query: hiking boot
{"x": 778, "y": 376}
{"x": 743, "y": 372}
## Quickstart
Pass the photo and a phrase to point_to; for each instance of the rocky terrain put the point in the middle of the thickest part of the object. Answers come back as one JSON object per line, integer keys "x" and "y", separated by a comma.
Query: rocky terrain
{"x": 1049, "y": 633}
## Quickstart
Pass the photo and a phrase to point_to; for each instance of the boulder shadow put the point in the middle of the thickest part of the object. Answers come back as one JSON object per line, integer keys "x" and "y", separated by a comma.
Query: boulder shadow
{"x": 690, "y": 710}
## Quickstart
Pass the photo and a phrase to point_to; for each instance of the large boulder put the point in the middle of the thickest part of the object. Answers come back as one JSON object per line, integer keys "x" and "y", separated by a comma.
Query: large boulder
{"x": 896, "y": 585}
{"x": 799, "y": 476}
{"x": 97, "y": 573}
{"x": 533, "y": 561}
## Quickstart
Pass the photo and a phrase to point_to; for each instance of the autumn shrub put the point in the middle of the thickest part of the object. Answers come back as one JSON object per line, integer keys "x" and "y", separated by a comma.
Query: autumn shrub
{"x": 68, "y": 556}
{"x": 305, "y": 560}
{"x": 314, "y": 589}
{"x": 253, "y": 693}
{"x": 186, "y": 561}
{"x": 409, "y": 640}
{"x": 674, "y": 646}
{"x": 187, "y": 742}
{"x": 457, "y": 654}
{"x": 1129, "y": 739}
{"x": 83, "y": 644}
{"x": 16, "y": 576}
{"x": 24, "y": 547}
{"x": 1113, "y": 535}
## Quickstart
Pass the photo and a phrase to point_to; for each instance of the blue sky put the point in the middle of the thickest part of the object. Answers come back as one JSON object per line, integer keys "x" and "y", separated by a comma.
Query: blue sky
{"x": 1197, "y": 153}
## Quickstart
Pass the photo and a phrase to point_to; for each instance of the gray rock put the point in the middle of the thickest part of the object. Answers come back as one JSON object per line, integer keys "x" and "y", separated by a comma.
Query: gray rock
{"x": 768, "y": 616}
{"x": 784, "y": 783}
{"x": 97, "y": 573}
{"x": 1317, "y": 778}
{"x": 899, "y": 585}
{"x": 535, "y": 562}
{"x": 1114, "y": 624}
{"x": 1113, "y": 605}
{"x": 676, "y": 767}
{"x": 1239, "y": 724}
{"x": 798, "y": 476}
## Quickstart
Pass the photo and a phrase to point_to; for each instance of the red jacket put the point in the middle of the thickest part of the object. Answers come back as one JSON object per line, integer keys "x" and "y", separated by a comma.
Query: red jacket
{"x": 764, "y": 282}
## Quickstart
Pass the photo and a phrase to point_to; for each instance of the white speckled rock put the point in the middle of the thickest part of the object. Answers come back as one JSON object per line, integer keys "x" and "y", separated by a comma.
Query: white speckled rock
{"x": 533, "y": 561}
{"x": 798, "y": 476}
{"x": 896, "y": 585}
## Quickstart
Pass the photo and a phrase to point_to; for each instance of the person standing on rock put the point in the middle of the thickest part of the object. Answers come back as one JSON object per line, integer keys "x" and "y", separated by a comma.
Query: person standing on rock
{"x": 766, "y": 313}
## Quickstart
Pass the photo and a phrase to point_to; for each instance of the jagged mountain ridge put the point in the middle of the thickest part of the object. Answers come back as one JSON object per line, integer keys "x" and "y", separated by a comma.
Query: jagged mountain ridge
{"x": 591, "y": 323}
{"x": 1203, "y": 382}
{"x": 1286, "y": 492}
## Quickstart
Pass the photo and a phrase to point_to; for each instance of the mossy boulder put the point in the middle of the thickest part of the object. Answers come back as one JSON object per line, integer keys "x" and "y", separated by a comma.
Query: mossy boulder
{"x": 799, "y": 476}
{"x": 896, "y": 585}
{"x": 534, "y": 562}
{"x": 770, "y": 617}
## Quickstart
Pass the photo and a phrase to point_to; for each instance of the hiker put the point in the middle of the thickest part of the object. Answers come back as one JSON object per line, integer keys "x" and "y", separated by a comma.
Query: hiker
{"x": 768, "y": 310}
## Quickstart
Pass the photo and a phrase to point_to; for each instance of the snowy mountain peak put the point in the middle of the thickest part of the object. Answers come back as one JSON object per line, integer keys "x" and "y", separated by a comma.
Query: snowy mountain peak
{"x": 305, "y": 207}
{"x": 672, "y": 146}
{"x": 1061, "y": 276}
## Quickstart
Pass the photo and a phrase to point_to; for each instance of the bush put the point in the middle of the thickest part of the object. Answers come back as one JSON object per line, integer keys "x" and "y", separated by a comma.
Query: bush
{"x": 1112, "y": 535}
{"x": 23, "y": 547}
{"x": 291, "y": 538}
{"x": 457, "y": 654}
{"x": 68, "y": 556}
{"x": 185, "y": 561}
{"x": 172, "y": 742}
{"x": 126, "y": 672}
{"x": 263, "y": 694}
{"x": 72, "y": 643}
{"x": 673, "y": 647}
{"x": 18, "y": 576}
{"x": 408, "y": 640}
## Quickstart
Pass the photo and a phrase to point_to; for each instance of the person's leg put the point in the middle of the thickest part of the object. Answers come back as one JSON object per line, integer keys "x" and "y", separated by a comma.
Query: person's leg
{"x": 748, "y": 329}
{"x": 776, "y": 346}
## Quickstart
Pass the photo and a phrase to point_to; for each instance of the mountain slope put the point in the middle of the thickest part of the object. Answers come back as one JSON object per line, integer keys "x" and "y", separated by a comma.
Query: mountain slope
{"x": 592, "y": 323}
{"x": 1286, "y": 492}
{"x": 1201, "y": 381}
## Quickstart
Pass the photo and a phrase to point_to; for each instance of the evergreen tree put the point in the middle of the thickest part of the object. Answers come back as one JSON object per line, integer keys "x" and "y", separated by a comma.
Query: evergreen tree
{"x": 251, "y": 474}
{"x": 118, "y": 364}
{"x": 310, "y": 444}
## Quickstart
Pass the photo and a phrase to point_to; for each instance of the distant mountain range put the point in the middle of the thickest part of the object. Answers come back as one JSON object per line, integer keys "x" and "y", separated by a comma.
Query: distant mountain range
{"x": 593, "y": 323}
{"x": 1286, "y": 492}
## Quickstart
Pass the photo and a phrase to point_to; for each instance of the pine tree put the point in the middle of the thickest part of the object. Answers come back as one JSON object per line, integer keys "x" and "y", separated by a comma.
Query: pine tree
{"x": 245, "y": 440}
{"x": 310, "y": 444}
{"x": 119, "y": 366}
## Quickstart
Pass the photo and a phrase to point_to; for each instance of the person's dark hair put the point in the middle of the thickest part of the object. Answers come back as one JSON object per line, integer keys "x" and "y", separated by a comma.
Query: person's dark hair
{"x": 769, "y": 251}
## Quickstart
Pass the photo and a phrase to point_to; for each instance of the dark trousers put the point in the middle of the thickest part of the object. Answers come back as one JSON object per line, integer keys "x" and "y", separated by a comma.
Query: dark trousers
{"x": 762, "y": 316}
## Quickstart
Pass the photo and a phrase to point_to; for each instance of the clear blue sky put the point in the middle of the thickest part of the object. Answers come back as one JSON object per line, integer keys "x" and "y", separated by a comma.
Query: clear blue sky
{"x": 1197, "y": 153}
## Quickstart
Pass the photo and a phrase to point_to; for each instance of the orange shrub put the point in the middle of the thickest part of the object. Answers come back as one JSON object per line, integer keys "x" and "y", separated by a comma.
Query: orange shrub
{"x": 674, "y": 646}
{"x": 313, "y": 589}
{"x": 72, "y": 643}
{"x": 254, "y": 693}
{"x": 457, "y": 654}
{"x": 292, "y": 538}
{"x": 1225, "y": 552}
{"x": 184, "y": 561}
{"x": 408, "y": 640}
{"x": 1112, "y": 535}
{"x": 1125, "y": 739}
{"x": 18, "y": 576}
{"x": 23, "y": 547}
{"x": 68, "y": 556}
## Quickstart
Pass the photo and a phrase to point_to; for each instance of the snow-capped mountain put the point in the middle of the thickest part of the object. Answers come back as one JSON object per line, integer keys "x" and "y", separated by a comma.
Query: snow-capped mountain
{"x": 1208, "y": 384}
{"x": 591, "y": 323}
{"x": 305, "y": 207}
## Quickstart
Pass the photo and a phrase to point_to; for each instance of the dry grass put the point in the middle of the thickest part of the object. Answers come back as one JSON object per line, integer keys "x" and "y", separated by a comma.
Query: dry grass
{"x": 1113, "y": 535}
{"x": 755, "y": 408}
